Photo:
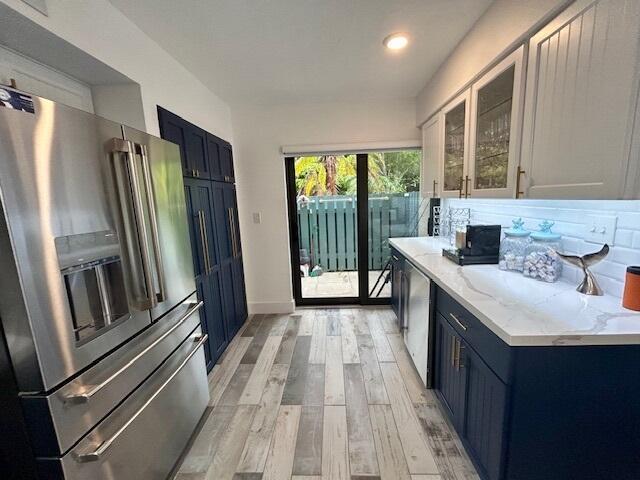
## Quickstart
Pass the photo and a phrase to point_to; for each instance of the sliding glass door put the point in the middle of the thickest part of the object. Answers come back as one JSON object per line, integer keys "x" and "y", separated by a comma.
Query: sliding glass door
{"x": 393, "y": 210}
{"x": 342, "y": 211}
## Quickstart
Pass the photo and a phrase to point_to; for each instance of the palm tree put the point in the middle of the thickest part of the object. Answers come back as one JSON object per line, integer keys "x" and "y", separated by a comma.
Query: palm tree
{"x": 320, "y": 175}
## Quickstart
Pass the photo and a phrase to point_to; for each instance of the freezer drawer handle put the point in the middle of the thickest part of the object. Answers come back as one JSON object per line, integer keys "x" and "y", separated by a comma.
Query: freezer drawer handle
{"x": 85, "y": 396}
{"x": 153, "y": 217}
{"x": 104, "y": 446}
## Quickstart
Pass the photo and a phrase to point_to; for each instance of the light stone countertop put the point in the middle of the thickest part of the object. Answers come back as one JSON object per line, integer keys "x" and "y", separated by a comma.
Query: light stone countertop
{"x": 520, "y": 310}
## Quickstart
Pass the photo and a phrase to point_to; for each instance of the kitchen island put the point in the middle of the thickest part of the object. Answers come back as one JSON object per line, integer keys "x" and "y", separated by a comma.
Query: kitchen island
{"x": 540, "y": 381}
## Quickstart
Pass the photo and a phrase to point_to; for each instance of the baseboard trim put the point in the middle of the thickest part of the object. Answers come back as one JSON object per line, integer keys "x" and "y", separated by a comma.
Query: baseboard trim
{"x": 272, "y": 307}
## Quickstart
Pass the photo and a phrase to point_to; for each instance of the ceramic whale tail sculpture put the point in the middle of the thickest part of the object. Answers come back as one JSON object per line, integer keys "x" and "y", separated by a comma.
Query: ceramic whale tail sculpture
{"x": 589, "y": 285}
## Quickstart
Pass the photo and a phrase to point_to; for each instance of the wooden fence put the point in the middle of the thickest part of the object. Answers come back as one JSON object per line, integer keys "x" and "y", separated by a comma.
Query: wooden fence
{"x": 327, "y": 228}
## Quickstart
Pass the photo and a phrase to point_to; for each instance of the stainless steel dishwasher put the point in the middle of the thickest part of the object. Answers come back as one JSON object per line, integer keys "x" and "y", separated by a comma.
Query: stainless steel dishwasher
{"x": 416, "y": 319}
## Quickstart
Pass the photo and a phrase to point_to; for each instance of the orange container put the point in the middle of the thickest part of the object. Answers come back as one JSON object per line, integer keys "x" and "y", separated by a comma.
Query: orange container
{"x": 631, "y": 296}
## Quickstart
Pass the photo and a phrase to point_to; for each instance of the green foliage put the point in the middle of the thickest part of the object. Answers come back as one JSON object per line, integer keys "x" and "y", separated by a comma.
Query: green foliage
{"x": 389, "y": 172}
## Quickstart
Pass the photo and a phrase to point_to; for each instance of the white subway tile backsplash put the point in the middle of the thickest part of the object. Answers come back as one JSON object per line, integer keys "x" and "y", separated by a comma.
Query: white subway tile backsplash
{"x": 570, "y": 217}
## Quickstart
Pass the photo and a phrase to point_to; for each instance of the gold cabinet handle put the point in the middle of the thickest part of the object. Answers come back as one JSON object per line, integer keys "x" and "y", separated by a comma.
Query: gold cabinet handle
{"x": 460, "y": 324}
{"x": 519, "y": 174}
{"x": 456, "y": 354}
{"x": 453, "y": 351}
{"x": 204, "y": 240}
{"x": 232, "y": 232}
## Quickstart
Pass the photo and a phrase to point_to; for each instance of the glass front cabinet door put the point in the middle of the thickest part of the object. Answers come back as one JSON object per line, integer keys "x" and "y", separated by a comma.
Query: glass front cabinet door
{"x": 496, "y": 102}
{"x": 453, "y": 149}
{"x": 480, "y": 134}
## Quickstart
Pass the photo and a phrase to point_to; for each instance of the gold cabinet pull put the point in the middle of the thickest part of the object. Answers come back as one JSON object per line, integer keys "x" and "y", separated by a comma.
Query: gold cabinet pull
{"x": 232, "y": 232}
{"x": 204, "y": 240}
{"x": 456, "y": 354}
{"x": 460, "y": 324}
{"x": 519, "y": 174}
{"x": 453, "y": 351}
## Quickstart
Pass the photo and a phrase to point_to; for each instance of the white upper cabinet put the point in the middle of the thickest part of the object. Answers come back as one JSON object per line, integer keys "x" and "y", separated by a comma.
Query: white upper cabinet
{"x": 480, "y": 134}
{"x": 582, "y": 95}
{"x": 454, "y": 142}
{"x": 430, "y": 158}
{"x": 494, "y": 135}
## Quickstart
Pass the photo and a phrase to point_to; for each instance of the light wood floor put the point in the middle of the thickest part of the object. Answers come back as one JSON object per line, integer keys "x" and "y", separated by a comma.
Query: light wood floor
{"x": 322, "y": 394}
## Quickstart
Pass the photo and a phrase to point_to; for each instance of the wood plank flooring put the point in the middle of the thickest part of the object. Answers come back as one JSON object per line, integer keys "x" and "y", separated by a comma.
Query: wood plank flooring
{"x": 322, "y": 394}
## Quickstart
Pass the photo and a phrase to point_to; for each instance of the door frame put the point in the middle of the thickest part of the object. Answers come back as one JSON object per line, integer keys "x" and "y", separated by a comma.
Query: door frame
{"x": 362, "y": 216}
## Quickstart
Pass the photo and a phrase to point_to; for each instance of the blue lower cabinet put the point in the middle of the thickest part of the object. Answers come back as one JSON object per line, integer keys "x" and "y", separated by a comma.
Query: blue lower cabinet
{"x": 449, "y": 380}
{"x": 240, "y": 298}
{"x": 212, "y": 316}
{"x": 228, "y": 298}
{"x": 484, "y": 413}
{"x": 541, "y": 412}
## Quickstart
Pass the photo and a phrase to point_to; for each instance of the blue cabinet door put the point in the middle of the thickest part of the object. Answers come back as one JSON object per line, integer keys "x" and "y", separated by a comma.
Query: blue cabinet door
{"x": 485, "y": 407}
{"x": 192, "y": 200}
{"x": 202, "y": 291}
{"x": 192, "y": 141}
{"x": 215, "y": 162}
{"x": 223, "y": 218}
{"x": 240, "y": 299}
{"x": 196, "y": 151}
{"x": 226, "y": 162}
{"x": 450, "y": 378}
{"x": 199, "y": 197}
{"x": 173, "y": 129}
{"x": 228, "y": 298}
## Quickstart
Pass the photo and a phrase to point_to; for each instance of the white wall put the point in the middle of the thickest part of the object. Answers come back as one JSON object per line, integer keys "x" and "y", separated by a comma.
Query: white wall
{"x": 571, "y": 221}
{"x": 99, "y": 29}
{"x": 120, "y": 103}
{"x": 259, "y": 133}
{"x": 503, "y": 26}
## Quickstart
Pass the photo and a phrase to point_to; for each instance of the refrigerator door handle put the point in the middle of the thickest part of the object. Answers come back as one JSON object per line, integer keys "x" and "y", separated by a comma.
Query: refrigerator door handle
{"x": 120, "y": 147}
{"x": 98, "y": 453}
{"x": 153, "y": 220}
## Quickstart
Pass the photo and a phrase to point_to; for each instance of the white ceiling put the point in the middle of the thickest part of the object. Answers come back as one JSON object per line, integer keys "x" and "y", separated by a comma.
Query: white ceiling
{"x": 290, "y": 51}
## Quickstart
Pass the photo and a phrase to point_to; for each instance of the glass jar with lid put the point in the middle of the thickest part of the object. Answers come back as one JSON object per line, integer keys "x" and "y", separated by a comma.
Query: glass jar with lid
{"x": 513, "y": 247}
{"x": 541, "y": 260}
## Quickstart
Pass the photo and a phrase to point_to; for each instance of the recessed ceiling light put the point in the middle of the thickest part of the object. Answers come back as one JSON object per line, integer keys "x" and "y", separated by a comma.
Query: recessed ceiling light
{"x": 396, "y": 41}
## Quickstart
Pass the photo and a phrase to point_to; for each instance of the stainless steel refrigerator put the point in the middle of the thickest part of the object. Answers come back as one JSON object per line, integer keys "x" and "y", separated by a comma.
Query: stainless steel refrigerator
{"x": 99, "y": 315}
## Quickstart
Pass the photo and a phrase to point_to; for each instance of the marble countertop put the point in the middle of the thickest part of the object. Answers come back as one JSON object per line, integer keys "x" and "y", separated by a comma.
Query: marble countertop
{"x": 523, "y": 311}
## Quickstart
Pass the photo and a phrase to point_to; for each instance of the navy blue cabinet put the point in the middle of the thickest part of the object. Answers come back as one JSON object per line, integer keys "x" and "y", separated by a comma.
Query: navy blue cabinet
{"x": 220, "y": 159}
{"x": 173, "y": 128}
{"x": 197, "y": 161}
{"x": 210, "y": 287}
{"x": 484, "y": 412}
{"x": 449, "y": 380}
{"x": 192, "y": 141}
{"x": 226, "y": 162}
{"x": 199, "y": 200}
{"x": 212, "y": 211}
{"x": 552, "y": 412}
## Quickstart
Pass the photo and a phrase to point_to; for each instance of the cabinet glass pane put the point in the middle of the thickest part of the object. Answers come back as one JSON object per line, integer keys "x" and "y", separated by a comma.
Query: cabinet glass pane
{"x": 493, "y": 126}
{"x": 454, "y": 147}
